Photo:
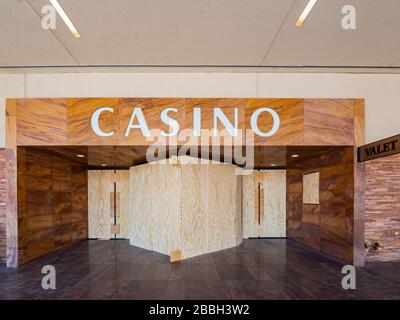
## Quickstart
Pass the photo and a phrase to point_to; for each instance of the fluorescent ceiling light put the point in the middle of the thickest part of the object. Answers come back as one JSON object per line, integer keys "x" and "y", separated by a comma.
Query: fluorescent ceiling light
{"x": 66, "y": 19}
{"x": 305, "y": 13}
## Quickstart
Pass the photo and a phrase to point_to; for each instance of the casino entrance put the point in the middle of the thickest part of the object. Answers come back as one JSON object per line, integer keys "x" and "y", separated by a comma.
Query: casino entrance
{"x": 295, "y": 187}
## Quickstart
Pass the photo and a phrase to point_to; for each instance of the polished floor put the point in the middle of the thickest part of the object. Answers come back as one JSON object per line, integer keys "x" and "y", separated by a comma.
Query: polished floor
{"x": 258, "y": 269}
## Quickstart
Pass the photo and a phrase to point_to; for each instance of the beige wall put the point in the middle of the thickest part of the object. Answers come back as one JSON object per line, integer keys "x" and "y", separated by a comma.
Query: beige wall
{"x": 381, "y": 92}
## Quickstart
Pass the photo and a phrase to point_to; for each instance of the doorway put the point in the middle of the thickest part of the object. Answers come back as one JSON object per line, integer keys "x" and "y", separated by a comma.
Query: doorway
{"x": 264, "y": 204}
{"x": 107, "y": 204}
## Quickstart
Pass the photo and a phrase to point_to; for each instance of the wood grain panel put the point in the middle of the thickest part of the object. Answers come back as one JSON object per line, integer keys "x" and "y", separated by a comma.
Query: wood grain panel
{"x": 382, "y": 208}
{"x": 359, "y": 121}
{"x": 151, "y": 109}
{"x": 52, "y": 203}
{"x": 327, "y": 227}
{"x": 302, "y": 122}
{"x": 329, "y": 122}
{"x": 207, "y": 106}
{"x": 79, "y": 113}
{"x": 41, "y": 122}
{"x": 291, "y": 113}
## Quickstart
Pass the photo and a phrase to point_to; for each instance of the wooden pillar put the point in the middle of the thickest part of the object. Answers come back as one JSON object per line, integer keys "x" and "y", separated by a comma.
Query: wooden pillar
{"x": 359, "y": 186}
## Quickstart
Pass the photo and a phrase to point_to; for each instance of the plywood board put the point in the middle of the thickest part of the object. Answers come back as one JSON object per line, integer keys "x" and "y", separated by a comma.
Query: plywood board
{"x": 192, "y": 209}
{"x": 274, "y": 219}
{"x": 264, "y": 204}
{"x": 100, "y": 190}
{"x": 122, "y": 184}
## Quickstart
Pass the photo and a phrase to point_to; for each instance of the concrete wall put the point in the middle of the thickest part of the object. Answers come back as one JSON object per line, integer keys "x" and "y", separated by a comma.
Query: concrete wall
{"x": 381, "y": 92}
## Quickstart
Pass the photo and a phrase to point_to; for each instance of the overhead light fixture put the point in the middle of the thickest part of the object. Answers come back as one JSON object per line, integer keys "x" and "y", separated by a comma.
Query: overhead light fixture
{"x": 306, "y": 12}
{"x": 295, "y": 156}
{"x": 104, "y": 165}
{"x": 80, "y": 155}
{"x": 66, "y": 19}
{"x": 273, "y": 165}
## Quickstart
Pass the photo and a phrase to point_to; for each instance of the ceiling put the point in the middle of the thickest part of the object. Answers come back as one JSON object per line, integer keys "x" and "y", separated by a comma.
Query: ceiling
{"x": 206, "y": 33}
{"x": 123, "y": 157}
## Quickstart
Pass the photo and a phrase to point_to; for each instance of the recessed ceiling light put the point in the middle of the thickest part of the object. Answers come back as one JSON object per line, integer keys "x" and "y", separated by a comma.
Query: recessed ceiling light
{"x": 66, "y": 19}
{"x": 305, "y": 13}
{"x": 104, "y": 165}
{"x": 80, "y": 155}
{"x": 273, "y": 165}
{"x": 295, "y": 156}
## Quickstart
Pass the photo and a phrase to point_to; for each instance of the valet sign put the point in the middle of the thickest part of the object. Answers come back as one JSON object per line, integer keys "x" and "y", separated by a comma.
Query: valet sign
{"x": 166, "y": 117}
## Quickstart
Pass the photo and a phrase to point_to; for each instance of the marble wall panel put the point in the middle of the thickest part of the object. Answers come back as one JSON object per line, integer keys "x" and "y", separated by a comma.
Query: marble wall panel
{"x": 52, "y": 203}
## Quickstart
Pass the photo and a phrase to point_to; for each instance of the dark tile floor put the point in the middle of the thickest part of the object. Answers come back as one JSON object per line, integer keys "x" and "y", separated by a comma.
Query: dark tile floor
{"x": 258, "y": 269}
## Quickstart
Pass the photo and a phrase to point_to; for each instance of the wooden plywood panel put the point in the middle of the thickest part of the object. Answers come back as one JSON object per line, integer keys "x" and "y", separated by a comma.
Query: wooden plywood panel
{"x": 274, "y": 224}
{"x": 249, "y": 208}
{"x": 264, "y": 204}
{"x": 154, "y": 219}
{"x": 311, "y": 188}
{"x": 221, "y": 207}
{"x": 166, "y": 211}
{"x": 100, "y": 208}
{"x": 194, "y": 211}
{"x": 140, "y": 198}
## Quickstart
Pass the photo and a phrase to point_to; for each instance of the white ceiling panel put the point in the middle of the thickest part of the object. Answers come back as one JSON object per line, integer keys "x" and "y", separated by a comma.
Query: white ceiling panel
{"x": 24, "y": 42}
{"x": 322, "y": 41}
{"x": 170, "y": 32}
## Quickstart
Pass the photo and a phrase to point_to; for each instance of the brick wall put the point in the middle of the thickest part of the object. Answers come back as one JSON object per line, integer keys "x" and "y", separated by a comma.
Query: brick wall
{"x": 382, "y": 208}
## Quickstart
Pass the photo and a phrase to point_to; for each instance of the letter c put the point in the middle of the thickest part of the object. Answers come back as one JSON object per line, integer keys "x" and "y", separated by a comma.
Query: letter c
{"x": 275, "y": 127}
{"x": 95, "y": 122}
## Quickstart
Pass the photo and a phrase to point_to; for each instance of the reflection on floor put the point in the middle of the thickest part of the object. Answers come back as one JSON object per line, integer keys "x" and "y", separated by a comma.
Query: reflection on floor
{"x": 258, "y": 269}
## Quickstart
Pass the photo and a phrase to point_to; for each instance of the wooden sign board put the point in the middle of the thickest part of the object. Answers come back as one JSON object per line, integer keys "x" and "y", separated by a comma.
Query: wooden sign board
{"x": 379, "y": 149}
